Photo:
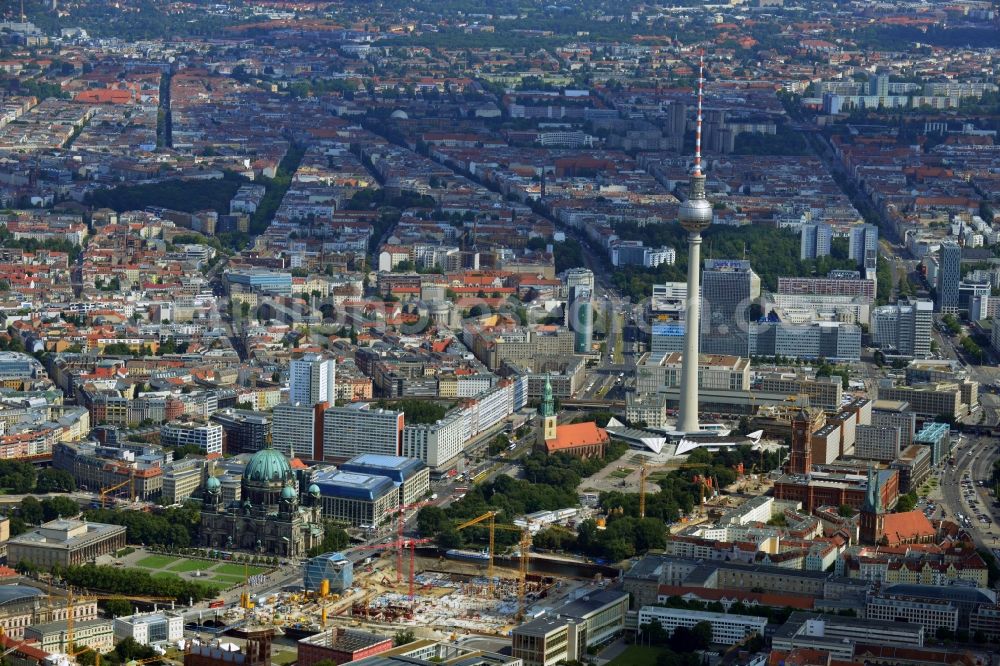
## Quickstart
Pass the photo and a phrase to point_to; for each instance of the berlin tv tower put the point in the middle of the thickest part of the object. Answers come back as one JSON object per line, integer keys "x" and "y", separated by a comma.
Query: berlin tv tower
{"x": 695, "y": 216}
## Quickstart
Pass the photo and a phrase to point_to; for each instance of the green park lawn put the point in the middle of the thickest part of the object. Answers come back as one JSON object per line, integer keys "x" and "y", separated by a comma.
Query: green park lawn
{"x": 637, "y": 655}
{"x": 164, "y": 575}
{"x": 236, "y": 570}
{"x": 184, "y": 566}
{"x": 223, "y": 574}
{"x": 157, "y": 561}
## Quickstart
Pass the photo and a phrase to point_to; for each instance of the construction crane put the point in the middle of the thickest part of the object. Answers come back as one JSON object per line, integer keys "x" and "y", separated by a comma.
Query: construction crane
{"x": 400, "y": 512}
{"x": 130, "y": 482}
{"x": 491, "y": 517}
{"x": 524, "y": 546}
{"x": 401, "y": 545}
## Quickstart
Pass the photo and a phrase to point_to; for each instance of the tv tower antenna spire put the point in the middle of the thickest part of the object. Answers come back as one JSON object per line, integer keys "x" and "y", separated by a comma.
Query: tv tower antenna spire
{"x": 695, "y": 216}
{"x": 697, "y": 129}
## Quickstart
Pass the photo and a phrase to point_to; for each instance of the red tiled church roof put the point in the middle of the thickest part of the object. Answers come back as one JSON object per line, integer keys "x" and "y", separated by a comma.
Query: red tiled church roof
{"x": 572, "y": 435}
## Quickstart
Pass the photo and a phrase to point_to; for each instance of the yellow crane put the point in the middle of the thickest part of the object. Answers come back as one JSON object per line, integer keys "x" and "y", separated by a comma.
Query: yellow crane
{"x": 130, "y": 482}
{"x": 524, "y": 546}
{"x": 491, "y": 517}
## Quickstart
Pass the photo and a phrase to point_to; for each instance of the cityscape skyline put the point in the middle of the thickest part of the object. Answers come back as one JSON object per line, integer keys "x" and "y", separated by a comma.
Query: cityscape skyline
{"x": 406, "y": 333}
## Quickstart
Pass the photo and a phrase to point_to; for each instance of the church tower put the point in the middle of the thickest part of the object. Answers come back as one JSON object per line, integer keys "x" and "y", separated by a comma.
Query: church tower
{"x": 549, "y": 420}
{"x": 872, "y": 519}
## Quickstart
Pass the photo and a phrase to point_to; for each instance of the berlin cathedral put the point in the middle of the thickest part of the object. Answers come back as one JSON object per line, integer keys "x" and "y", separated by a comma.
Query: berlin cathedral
{"x": 267, "y": 519}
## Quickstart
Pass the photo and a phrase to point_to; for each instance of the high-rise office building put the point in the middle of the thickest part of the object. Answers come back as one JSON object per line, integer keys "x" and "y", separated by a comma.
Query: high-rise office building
{"x": 580, "y": 317}
{"x": 312, "y": 379}
{"x": 815, "y": 241}
{"x": 667, "y": 311}
{"x": 863, "y": 238}
{"x": 863, "y": 248}
{"x": 296, "y": 429}
{"x": 878, "y": 85}
{"x": 728, "y": 289}
{"x": 356, "y": 429}
{"x": 949, "y": 276}
{"x": 904, "y": 328}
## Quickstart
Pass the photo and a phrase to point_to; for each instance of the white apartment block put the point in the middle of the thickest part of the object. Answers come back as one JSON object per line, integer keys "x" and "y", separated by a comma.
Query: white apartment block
{"x": 293, "y": 429}
{"x": 356, "y": 429}
{"x": 207, "y": 436}
{"x": 436, "y": 443}
{"x": 932, "y": 616}
{"x": 313, "y": 379}
{"x": 727, "y": 629}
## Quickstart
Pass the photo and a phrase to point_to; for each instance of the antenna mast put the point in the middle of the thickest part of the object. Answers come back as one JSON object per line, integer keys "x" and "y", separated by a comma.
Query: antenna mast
{"x": 697, "y": 129}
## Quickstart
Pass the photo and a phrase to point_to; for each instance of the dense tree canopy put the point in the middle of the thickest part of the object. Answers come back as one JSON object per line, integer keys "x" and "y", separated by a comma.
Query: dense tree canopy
{"x": 417, "y": 411}
{"x": 188, "y": 196}
{"x": 550, "y": 482}
{"x": 335, "y": 539}
{"x": 625, "y": 534}
{"x": 170, "y": 527}
{"x": 132, "y": 581}
{"x": 772, "y": 252}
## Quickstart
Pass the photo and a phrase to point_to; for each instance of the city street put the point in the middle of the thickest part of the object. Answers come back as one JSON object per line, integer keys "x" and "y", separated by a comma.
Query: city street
{"x": 975, "y": 457}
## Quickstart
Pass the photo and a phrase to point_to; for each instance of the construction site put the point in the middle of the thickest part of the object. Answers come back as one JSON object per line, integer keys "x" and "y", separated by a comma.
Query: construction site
{"x": 407, "y": 582}
{"x": 435, "y": 603}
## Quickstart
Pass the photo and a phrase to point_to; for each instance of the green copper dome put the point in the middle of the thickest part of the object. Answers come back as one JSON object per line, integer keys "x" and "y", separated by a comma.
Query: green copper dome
{"x": 213, "y": 485}
{"x": 288, "y": 493}
{"x": 267, "y": 466}
{"x": 313, "y": 490}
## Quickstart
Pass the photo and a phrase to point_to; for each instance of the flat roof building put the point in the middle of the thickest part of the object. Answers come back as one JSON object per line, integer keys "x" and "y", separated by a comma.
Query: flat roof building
{"x": 341, "y": 645}
{"x": 65, "y": 542}
{"x": 150, "y": 628}
{"x": 838, "y": 635}
{"x": 96, "y": 634}
{"x": 410, "y": 475}
{"x": 357, "y": 429}
{"x": 937, "y": 436}
{"x": 565, "y": 635}
{"x": 244, "y": 432}
{"x": 429, "y": 653}
{"x": 206, "y": 436}
{"x": 727, "y": 628}
{"x": 360, "y": 499}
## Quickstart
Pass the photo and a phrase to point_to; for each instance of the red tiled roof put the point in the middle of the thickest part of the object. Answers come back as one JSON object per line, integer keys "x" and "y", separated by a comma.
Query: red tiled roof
{"x": 762, "y": 598}
{"x": 572, "y": 435}
{"x": 907, "y": 526}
